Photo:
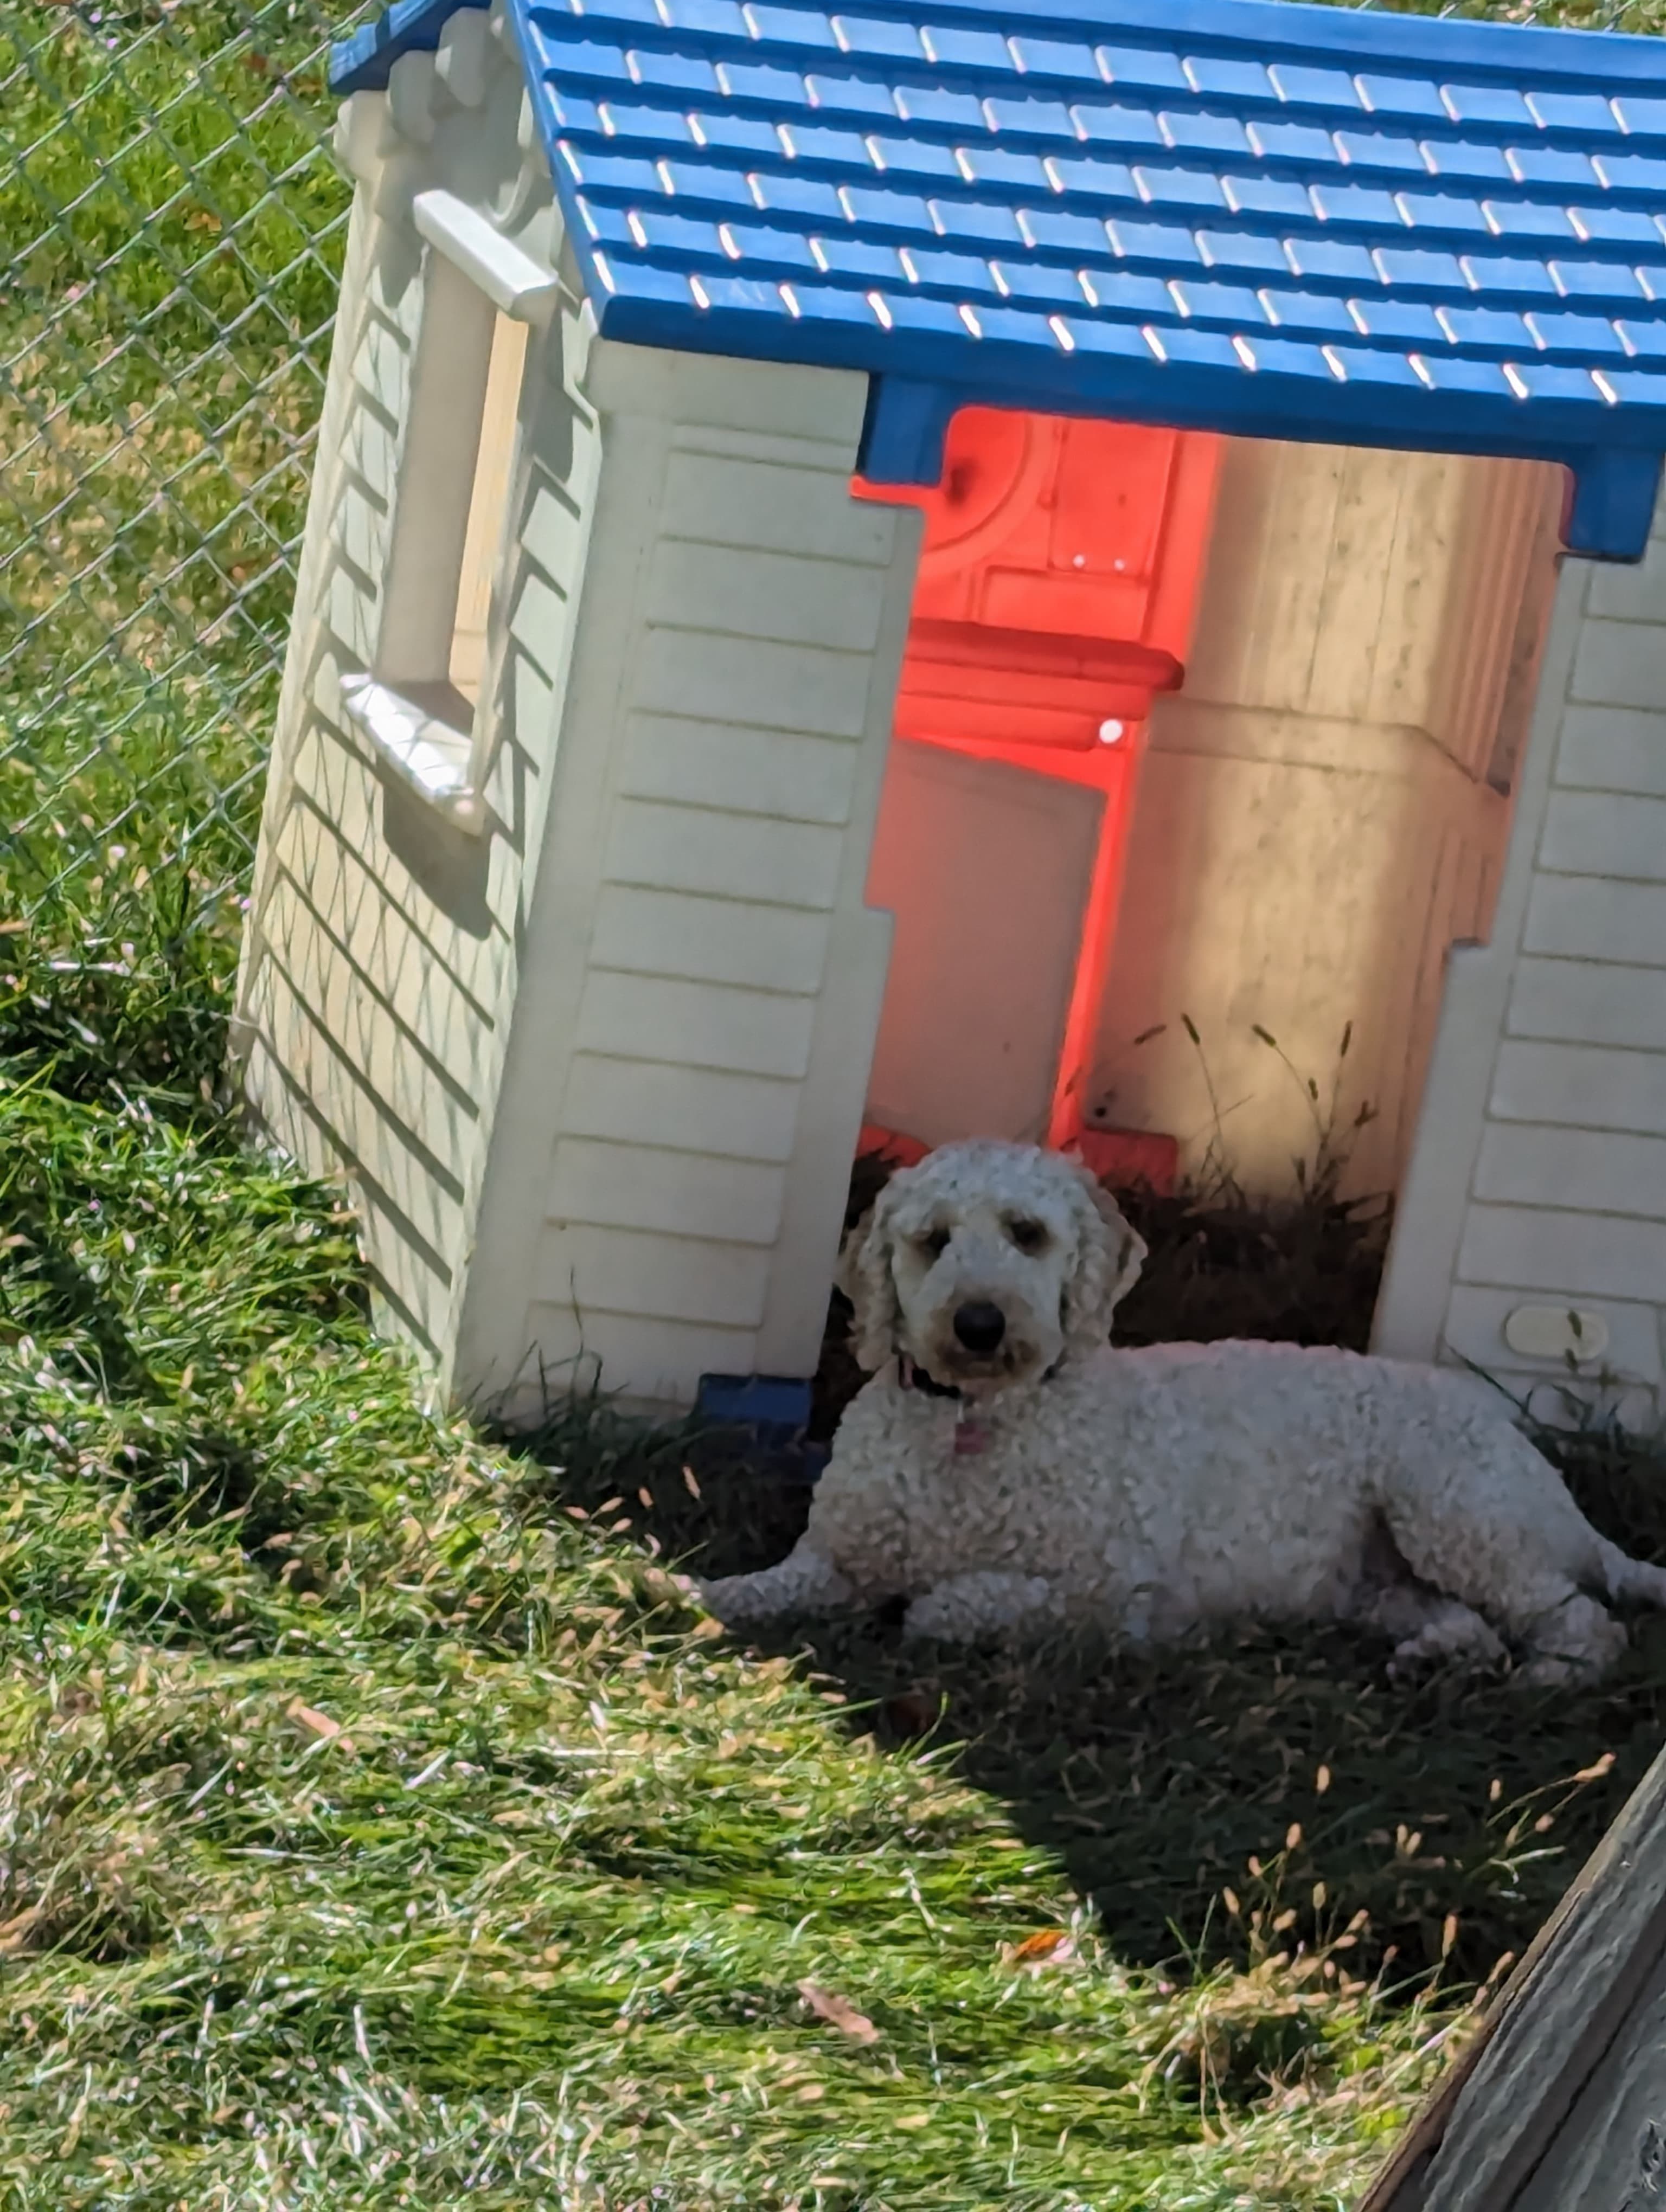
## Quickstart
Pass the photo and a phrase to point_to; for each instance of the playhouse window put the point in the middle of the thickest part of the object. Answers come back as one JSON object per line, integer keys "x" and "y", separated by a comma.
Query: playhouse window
{"x": 489, "y": 502}
{"x": 420, "y": 702}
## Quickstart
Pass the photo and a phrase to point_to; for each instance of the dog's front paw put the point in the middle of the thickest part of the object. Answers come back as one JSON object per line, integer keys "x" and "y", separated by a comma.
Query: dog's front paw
{"x": 978, "y": 1605}
{"x": 803, "y": 1582}
{"x": 733, "y": 1598}
{"x": 1456, "y": 1638}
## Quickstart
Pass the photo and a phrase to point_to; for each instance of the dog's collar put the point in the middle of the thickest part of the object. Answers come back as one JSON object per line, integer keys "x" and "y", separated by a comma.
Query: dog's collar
{"x": 911, "y": 1377}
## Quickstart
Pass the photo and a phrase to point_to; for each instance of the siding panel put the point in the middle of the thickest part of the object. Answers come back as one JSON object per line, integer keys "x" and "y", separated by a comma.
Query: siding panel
{"x": 1583, "y": 1087}
{"x": 655, "y": 1359}
{"x": 1620, "y": 664}
{"x": 741, "y": 856}
{"x": 766, "y": 595}
{"x": 1475, "y": 1323}
{"x": 1577, "y": 1003}
{"x": 653, "y": 1278}
{"x": 703, "y": 1109}
{"x": 695, "y": 1025}
{"x": 1592, "y": 1170}
{"x": 1585, "y": 918}
{"x": 1591, "y": 833}
{"x": 772, "y": 508}
{"x": 793, "y": 779}
{"x": 773, "y": 687}
{"x": 709, "y": 940}
{"x": 1571, "y": 1254}
{"x": 1614, "y": 749}
{"x": 538, "y": 617}
{"x": 632, "y": 1186}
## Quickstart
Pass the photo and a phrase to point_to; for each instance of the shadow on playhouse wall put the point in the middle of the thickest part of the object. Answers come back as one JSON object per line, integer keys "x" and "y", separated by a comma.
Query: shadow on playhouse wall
{"x": 1302, "y": 373}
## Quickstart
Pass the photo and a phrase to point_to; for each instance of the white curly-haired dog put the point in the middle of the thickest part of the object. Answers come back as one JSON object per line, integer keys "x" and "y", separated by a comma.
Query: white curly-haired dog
{"x": 1005, "y": 1469}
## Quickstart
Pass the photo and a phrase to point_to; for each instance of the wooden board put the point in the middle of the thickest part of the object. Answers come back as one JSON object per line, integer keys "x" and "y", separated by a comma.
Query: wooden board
{"x": 1560, "y": 2103}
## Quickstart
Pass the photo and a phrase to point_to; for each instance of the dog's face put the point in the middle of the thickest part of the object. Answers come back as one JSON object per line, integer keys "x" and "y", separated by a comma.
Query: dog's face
{"x": 986, "y": 1263}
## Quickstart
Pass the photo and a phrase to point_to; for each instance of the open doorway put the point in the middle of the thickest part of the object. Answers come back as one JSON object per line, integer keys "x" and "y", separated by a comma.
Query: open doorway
{"x": 1056, "y": 591}
{"x": 1199, "y": 743}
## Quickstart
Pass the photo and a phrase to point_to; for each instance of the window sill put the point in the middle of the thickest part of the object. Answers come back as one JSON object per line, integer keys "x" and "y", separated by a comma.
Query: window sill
{"x": 425, "y": 734}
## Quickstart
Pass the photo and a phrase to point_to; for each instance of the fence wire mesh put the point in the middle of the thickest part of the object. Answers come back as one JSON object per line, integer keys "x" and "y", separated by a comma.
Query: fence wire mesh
{"x": 173, "y": 224}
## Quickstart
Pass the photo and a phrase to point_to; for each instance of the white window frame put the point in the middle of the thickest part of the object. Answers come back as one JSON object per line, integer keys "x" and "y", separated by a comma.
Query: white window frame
{"x": 406, "y": 702}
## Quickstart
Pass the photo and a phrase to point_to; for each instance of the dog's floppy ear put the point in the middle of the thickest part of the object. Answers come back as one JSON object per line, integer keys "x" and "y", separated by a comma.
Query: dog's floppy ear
{"x": 1109, "y": 1257}
{"x": 863, "y": 1274}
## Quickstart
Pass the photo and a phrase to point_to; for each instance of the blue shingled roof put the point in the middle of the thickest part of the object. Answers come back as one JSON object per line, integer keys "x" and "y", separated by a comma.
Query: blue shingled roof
{"x": 1268, "y": 219}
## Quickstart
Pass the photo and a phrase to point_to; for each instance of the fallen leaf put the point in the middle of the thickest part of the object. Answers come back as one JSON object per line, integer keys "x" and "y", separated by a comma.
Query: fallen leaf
{"x": 914, "y": 2120}
{"x": 15, "y": 1933}
{"x": 1048, "y": 1947}
{"x": 667, "y": 1589}
{"x": 838, "y": 2013}
{"x": 321, "y": 1724}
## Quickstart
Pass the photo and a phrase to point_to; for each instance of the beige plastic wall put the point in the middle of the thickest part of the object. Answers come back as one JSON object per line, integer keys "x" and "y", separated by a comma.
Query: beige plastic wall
{"x": 595, "y": 1077}
{"x": 701, "y": 978}
{"x": 1537, "y": 1189}
{"x": 380, "y": 960}
{"x": 1315, "y": 822}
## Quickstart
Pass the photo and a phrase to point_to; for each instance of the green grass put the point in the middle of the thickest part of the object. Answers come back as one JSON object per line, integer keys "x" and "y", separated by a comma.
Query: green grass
{"x": 378, "y": 1825}
{"x": 1435, "y": 1824}
{"x": 174, "y": 228}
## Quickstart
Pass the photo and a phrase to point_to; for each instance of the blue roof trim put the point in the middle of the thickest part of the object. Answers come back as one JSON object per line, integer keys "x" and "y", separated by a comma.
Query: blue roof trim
{"x": 1246, "y": 215}
{"x": 1512, "y": 52}
{"x": 361, "y": 63}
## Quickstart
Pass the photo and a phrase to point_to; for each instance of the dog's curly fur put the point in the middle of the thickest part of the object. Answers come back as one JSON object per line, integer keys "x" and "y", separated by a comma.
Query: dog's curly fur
{"x": 1043, "y": 1478}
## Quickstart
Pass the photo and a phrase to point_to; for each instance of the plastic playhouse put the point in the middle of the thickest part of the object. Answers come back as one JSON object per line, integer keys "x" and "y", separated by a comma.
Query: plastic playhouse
{"x": 861, "y": 566}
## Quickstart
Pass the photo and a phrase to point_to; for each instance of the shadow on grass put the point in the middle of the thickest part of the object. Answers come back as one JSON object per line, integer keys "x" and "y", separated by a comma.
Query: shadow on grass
{"x": 1257, "y": 1791}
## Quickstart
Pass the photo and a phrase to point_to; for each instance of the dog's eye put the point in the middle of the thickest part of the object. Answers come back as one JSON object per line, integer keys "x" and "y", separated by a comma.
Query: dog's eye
{"x": 933, "y": 1242}
{"x": 1028, "y": 1236}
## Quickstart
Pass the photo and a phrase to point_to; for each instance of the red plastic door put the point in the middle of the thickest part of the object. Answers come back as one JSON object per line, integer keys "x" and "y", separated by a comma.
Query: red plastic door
{"x": 1058, "y": 582}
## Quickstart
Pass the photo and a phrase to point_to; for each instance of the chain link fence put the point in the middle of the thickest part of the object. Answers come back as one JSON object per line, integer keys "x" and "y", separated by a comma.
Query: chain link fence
{"x": 174, "y": 225}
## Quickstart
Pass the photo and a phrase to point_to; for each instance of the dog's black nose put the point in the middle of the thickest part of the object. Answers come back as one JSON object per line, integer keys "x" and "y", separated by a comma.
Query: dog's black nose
{"x": 980, "y": 1328}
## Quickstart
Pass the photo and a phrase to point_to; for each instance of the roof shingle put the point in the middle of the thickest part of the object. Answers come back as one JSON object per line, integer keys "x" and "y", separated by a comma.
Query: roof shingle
{"x": 1280, "y": 220}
